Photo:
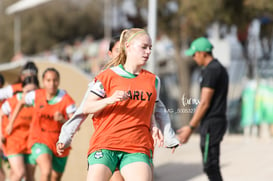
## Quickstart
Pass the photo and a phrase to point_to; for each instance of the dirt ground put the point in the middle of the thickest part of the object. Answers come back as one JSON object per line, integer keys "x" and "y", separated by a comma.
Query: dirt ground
{"x": 242, "y": 159}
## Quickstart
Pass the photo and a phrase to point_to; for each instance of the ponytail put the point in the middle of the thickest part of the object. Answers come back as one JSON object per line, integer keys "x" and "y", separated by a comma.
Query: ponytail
{"x": 127, "y": 35}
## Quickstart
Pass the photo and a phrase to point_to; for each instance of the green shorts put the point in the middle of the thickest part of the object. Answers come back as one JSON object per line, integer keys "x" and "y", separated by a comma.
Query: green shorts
{"x": 58, "y": 163}
{"x": 19, "y": 154}
{"x": 117, "y": 159}
{"x": 25, "y": 156}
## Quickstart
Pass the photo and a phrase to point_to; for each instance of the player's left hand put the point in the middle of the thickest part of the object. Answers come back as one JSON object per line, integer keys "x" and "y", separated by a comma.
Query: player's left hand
{"x": 157, "y": 136}
{"x": 9, "y": 129}
{"x": 59, "y": 117}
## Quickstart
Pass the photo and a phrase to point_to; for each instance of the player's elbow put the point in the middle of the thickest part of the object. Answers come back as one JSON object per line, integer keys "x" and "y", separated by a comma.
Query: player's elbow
{"x": 85, "y": 110}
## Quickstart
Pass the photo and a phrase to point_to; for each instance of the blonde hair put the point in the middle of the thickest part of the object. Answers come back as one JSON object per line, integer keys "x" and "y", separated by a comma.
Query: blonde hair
{"x": 127, "y": 35}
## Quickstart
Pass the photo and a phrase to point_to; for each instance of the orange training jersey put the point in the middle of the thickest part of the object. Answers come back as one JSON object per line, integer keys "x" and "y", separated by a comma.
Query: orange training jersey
{"x": 11, "y": 91}
{"x": 16, "y": 87}
{"x": 125, "y": 126}
{"x": 1, "y": 102}
{"x": 44, "y": 128}
{"x": 16, "y": 142}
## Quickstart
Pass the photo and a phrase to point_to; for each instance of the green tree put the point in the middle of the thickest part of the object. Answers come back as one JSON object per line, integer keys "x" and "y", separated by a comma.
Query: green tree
{"x": 50, "y": 24}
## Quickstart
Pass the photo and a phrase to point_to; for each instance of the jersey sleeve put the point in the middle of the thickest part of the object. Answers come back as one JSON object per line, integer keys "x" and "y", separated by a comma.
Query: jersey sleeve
{"x": 97, "y": 88}
{"x": 71, "y": 109}
{"x": 6, "y": 92}
{"x": 157, "y": 86}
{"x": 163, "y": 120}
{"x": 72, "y": 125}
{"x": 71, "y": 106}
{"x": 30, "y": 98}
{"x": 6, "y": 109}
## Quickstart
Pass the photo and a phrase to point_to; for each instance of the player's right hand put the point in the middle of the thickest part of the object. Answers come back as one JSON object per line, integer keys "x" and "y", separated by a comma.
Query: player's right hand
{"x": 118, "y": 96}
{"x": 60, "y": 148}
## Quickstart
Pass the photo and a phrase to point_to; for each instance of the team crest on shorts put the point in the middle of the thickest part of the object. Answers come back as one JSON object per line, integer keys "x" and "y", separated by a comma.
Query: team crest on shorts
{"x": 98, "y": 155}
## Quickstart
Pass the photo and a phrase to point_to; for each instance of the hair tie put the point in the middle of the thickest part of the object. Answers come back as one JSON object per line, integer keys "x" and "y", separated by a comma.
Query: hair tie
{"x": 135, "y": 34}
{"x": 29, "y": 71}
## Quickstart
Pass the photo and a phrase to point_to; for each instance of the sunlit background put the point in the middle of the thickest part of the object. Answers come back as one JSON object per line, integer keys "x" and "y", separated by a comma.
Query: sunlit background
{"x": 74, "y": 36}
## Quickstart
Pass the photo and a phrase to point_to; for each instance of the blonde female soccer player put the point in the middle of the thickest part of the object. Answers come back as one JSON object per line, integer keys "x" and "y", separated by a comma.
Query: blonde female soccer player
{"x": 122, "y": 99}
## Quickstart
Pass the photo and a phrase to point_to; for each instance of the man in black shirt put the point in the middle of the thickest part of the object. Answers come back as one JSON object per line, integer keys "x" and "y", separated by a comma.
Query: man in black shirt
{"x": 211, "y": 111}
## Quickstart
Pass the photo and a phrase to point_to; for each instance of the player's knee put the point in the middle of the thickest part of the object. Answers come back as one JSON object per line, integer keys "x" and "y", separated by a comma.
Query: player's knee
{"x": 56, "y": 176}
{"x": 21, "y": 173}
{"x": 17, "y": 173}
{"x": 46, "y": 172}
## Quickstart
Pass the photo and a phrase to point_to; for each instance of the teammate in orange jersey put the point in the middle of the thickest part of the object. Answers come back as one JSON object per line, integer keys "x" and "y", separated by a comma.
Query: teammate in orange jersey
{"x": 15, "y": 134}
{"x": 6, "y": 92}
{"x": 28, "y": 69}
{"x": 122, "y": 99}
{"x": 53, "y": 107}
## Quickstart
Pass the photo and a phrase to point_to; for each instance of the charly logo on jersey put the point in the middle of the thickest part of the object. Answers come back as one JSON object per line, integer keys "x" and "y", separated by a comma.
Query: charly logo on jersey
{"x": 139, "y": 95}
{"x": 47, "y": 116}
{"x": 98, "y": 155}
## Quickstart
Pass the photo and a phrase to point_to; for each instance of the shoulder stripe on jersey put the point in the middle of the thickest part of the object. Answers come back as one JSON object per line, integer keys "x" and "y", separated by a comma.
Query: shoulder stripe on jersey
{"x": 96, "y": 94}
{"x": 157, "y": 86}
{"x": 58, "y": 97}
{"x": 19, "y": 95}
{"x": 122, "y": 72}
{"x": 156, "y": 82}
